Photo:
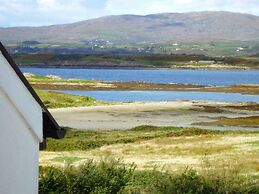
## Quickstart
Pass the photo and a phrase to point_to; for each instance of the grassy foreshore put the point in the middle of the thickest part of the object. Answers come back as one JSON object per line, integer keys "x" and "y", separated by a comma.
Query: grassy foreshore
{"x": 60, "y": 100}
{"x": 56, "y": 83}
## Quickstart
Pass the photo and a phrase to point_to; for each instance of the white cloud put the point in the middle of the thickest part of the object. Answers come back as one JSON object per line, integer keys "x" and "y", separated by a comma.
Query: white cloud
{"x": 46, "y": 12}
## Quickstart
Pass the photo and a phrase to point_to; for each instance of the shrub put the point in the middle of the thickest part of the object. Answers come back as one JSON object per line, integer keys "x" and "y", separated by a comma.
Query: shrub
{"x": 103, "y": 177}
{"x": 190, "y": 182}
{"x": 114, "y": 177}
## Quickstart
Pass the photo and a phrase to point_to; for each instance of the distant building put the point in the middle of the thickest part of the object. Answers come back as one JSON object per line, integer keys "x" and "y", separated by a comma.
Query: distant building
{"x": 25, "y": 123}
{"x": 193, "y": 62}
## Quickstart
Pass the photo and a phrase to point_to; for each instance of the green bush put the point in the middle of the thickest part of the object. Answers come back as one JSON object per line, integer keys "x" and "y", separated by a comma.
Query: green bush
{"x": 114, "y": 177}
{"x": 103, "y": 177}
{"x": 190, "y": 182}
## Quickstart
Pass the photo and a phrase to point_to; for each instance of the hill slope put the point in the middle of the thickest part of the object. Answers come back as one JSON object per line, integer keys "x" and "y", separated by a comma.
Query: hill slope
{"x": 195, "y": 26}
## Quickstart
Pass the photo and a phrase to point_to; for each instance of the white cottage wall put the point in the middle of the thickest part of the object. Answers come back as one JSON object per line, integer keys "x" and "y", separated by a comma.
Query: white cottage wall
{"x": 20, "y": 97}
{"x": 20, "y": 134}
{"x": 18, "y": 151}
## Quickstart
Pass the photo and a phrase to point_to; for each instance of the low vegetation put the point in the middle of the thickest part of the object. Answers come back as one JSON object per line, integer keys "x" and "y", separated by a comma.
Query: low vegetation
{"x": 253, "y": 106}
{"x": 52, "y": 82}
{"x": 54, "y": 79}
{"x": 149, "y": 146}
{"x": 252, "y": 121}
{"x": 243, "y": 89}
{"x": 85, "y": 140}
{"x": 60, "y": 100}
{"x": 137, "y": 60}
{"x": 150, "y": 159}
{"x": 89, "y": 178}
{"x": 115, "y": 177}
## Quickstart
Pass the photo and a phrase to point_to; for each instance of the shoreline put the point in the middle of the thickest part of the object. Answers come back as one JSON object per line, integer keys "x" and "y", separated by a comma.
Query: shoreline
{"x": 53, "y": 82}
{"x": 252, "y": 89}
{"x": 174, "y": 67}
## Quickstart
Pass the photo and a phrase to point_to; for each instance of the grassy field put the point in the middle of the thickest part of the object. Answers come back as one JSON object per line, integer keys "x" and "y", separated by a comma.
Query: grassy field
{"x": 85, "y": 140}
{"x": 150, "y": 159}
{"x": 60, "y": 100}
{"x": 170, "y": 148}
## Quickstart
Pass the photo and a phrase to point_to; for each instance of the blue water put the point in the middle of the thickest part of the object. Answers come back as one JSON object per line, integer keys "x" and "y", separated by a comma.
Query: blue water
{"x": 144, "y": 96}
{"x": 202, "y": 77}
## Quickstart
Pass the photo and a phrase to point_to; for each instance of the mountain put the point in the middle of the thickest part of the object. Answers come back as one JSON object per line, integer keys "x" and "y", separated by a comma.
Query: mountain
{"x": 193, "y": 26}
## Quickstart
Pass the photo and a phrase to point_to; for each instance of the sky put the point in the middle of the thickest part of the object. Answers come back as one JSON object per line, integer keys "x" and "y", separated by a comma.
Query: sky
{"x": 48, "y": 12}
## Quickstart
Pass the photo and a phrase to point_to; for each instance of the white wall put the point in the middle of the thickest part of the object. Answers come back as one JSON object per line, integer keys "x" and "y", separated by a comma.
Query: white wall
{"x": 20, "y": 133}
{"x": 20, "y": 97}
{"x": 18, "y": 152}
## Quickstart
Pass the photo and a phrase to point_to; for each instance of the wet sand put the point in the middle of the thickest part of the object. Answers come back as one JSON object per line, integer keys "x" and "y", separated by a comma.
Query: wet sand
{"x": 128, "y": 115}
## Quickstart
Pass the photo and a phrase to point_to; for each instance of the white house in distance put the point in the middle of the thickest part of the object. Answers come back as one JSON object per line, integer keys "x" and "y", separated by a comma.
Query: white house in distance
{"x": 25, "y": 123}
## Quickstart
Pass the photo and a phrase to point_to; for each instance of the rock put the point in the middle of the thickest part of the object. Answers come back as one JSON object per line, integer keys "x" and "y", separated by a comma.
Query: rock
{"x": 54, "y": 77}
{"x": 28, "y": 75}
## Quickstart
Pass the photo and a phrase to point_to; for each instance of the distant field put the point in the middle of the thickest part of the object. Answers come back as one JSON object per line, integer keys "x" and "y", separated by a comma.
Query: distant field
{"x": 213, "y": 49}
{"x": 152, "y": 61}
{"x": 143, "y": 55}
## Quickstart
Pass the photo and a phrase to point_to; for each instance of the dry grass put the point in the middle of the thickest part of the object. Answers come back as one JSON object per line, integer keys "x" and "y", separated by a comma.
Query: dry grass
{"x": 243, "y": 89}
{"x": 252, "y": 121}
{"x": 218, "y": 151}
{"x": 247, "y": 106}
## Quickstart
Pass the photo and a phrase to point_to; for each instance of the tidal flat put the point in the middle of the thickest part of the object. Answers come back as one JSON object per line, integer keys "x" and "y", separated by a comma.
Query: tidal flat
{"x": 123, "y": 116}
